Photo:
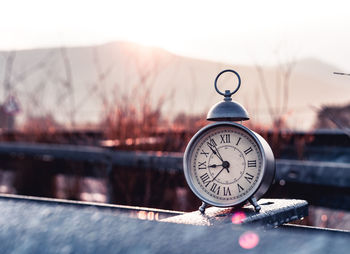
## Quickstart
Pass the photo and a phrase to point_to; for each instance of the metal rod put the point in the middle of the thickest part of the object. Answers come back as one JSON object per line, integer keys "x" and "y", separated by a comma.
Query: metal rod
{"x": 341, "y": 73}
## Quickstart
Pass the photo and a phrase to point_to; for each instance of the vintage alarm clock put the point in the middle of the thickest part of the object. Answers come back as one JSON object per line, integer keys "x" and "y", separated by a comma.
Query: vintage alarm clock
{"x": 225, "y": 163}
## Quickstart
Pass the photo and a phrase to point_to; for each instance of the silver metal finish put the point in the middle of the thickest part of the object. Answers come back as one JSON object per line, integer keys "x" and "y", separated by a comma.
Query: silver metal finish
{"x": 272, "y": 213}
{"x": 203, "y": 207}
{"x": 268, "y": 164}
{"x": 227, "y": 92}
{"x": 227, "y": 110}
{"x": 224, "y": 112}
{"x": 254, "y": 203}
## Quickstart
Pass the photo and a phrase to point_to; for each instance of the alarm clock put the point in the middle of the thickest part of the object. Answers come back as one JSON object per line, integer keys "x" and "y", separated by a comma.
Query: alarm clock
{"x": 225, "y": 163}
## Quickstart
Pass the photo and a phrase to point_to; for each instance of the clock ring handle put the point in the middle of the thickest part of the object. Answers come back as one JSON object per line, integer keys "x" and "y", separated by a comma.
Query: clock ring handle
{"x": 227, "y": 93}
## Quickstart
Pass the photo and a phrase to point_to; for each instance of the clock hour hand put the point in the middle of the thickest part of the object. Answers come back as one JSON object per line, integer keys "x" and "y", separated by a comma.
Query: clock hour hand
{"x": 224, "y": 164}
{"x": 214, "y": 166}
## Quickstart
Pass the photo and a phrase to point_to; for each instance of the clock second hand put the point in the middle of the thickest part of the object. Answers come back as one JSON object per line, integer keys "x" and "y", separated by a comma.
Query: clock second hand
{"x": 218, "y": 174}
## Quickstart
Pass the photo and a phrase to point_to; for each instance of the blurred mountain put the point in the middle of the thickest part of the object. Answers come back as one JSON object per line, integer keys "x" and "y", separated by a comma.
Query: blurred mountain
{"x": 82, "y": 84}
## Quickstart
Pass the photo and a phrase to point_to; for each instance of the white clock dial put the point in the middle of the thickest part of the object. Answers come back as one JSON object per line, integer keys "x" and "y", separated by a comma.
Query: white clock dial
{"x": 225, "y": 165}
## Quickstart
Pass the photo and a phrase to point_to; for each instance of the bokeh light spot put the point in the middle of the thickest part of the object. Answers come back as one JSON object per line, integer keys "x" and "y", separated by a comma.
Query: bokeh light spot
{"x": 248, "y": 240}
{"x": 238, "y": 217}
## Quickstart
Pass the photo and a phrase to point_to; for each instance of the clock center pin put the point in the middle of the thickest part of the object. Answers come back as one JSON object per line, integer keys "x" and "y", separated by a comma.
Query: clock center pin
{"x": 226, "y": 164}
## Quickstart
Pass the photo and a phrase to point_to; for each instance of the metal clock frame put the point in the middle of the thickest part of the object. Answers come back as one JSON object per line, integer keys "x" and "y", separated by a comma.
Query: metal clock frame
{"x": 268, "y": 166}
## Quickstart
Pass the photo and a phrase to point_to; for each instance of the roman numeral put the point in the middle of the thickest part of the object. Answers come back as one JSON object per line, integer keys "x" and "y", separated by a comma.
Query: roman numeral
{"x": 202, "y": 165}
{"x": 215, "y": 188}
{"x": 252, "y": 164}
{"x": 238, "y": 141}
{"x": 211, "y": 143}
{"x": 205, "y": 179}
{"x": 240, "y": 188}
{"x": 248, "y": 150}
{"x": 227, "y": 191}
{"x": 225, "y": 138}
{"x": 248, "y": 177}
{"x": 204, "y": 153}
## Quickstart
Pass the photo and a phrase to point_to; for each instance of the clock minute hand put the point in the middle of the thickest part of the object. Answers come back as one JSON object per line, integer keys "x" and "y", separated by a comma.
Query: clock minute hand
{"x": 216, "y": 152}
{"x": 225, "y": 164}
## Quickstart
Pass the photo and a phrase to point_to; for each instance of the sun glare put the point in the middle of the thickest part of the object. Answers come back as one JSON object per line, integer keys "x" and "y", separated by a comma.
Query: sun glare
{"x": 223, "y": 30}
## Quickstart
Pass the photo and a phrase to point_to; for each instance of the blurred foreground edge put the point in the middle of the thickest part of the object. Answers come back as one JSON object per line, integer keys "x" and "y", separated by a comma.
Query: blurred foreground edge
{"x": 274, "y": 212}
{"x": 37, "y": 225}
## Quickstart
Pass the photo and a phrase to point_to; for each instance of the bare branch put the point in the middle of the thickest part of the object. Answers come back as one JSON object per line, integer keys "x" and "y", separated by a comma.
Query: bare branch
{"x": 40, "y": 65}
{"x": 7, "y": 81}
{"x": 68, "y": 83}
{"x": 286, "y": 82}
{"x": 265, "y": 91}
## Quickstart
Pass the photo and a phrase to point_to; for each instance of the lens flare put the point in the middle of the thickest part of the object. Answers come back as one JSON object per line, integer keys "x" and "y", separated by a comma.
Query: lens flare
{"x": 238, "y": 217}
{"x": 248, "y": 240}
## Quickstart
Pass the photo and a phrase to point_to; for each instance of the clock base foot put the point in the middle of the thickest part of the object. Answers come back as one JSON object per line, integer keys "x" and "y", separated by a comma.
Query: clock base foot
{"x": 254, "y": 202}
{"x": 202, "y": 207}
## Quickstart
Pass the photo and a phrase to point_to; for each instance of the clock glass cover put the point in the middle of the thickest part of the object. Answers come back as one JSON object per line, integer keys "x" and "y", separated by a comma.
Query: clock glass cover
{"x": 224, "y": 164}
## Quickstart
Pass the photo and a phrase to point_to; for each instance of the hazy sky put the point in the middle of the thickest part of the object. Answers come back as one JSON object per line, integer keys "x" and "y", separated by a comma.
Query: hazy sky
{"x": 230, "y": 31}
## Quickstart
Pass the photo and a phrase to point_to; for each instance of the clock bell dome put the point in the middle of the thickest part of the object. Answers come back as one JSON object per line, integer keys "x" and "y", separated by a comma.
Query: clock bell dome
{"x": 227, "y": 110}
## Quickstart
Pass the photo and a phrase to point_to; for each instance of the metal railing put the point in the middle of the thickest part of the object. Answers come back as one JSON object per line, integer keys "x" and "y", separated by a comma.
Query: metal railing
{"x": 332, "y": 178}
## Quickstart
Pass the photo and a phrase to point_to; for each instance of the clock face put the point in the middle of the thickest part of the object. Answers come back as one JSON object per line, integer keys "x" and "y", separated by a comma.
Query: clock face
{"x": 224, "y": 164}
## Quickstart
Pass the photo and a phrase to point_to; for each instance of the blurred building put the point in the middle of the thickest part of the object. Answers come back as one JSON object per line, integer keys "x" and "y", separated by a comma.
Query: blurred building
{"x": 330, "y": 117}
